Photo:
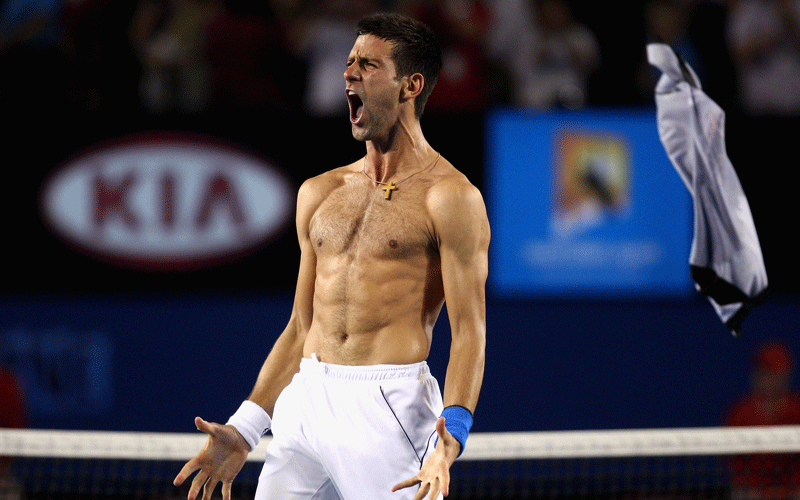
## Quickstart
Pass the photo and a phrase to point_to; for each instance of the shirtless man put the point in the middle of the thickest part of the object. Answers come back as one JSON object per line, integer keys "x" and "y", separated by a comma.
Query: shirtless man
{"x": 384, "y": 242}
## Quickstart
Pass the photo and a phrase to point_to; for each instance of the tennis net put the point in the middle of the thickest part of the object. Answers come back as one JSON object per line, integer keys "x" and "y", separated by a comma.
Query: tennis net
{"x": 727, "y": 463}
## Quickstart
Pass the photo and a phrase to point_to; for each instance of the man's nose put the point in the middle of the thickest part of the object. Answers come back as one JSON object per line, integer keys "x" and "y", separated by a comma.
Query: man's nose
{"x": 351, "y": 72}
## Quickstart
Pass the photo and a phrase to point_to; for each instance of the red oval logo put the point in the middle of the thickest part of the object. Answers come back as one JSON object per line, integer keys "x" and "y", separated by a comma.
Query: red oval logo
{"x": 167, "y": 203}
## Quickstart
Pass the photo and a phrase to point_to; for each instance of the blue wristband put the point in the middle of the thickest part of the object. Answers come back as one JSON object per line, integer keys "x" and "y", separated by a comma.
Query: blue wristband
{"x": 458, "y": 422}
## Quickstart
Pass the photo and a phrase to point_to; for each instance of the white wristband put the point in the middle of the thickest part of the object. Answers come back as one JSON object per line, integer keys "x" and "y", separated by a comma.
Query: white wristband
{"x": 251, "y": 421}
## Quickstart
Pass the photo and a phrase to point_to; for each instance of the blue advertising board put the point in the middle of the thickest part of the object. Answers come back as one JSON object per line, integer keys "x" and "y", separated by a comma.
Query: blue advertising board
{"x": 153, "y": 363}
{"x": 585, "y": 204}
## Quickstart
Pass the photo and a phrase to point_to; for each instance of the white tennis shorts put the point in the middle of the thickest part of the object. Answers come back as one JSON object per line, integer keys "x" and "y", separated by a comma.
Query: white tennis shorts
{"x": 350, "y": 432}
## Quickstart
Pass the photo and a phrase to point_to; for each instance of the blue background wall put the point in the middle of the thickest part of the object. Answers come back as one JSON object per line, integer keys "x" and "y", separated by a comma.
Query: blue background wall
{"x": 152, "y": 363}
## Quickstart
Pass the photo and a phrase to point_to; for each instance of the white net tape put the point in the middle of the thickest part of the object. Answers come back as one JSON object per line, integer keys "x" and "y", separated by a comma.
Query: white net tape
{"x": 744, "y": 463}
{"x": 481, "y": 446}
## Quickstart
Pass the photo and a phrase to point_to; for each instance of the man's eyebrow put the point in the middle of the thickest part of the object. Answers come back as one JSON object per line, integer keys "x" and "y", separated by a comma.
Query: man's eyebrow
{"x": 362, "y": 59}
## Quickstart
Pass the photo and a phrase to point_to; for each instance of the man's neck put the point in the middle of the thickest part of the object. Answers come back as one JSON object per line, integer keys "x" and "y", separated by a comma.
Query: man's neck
{"x": 403, "y": 152}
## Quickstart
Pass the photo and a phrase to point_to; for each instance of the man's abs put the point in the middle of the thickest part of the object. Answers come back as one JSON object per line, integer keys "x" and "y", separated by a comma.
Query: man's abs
{"x": 374, "y": 311}
{"x": 378, "y": 284}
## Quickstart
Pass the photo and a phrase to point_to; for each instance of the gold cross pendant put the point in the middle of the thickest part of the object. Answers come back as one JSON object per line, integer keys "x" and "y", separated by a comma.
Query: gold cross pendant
{"x": 388, "y": 189}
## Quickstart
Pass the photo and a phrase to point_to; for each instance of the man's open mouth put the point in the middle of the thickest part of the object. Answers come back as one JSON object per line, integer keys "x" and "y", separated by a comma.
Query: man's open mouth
{"x": 356, "y": 107}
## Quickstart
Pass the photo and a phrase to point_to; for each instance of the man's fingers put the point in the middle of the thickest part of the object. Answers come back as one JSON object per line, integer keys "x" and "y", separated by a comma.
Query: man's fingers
{"x": 226, "y": 490}
{"x": 208, "y": 488}
{"x": 197, "y": 483}
{"x": 445, "y": 488}
{"x": 203, "y": 426}
{"x": 187, "y": 470}
{"x": 209, "y": 464}
{"x": 179, "y": 479}
{"x": 406, "y": 483}
{"x": 444, "y": 434}
{"x": 440, "y": 428}
{"x": 434, "y": 492}
{"x": 423, "y": 490}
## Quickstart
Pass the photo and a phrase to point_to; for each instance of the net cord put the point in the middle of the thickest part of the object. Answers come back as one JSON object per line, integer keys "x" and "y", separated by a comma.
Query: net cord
{"x": 481, "y": 446}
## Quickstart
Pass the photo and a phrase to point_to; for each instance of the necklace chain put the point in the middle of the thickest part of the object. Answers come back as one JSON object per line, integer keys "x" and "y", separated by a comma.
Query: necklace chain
{"x": 364, "y": 171}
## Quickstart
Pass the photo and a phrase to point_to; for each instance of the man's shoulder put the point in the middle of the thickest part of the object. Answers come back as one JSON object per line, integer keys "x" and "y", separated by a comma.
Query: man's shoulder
{"x": 456, "y": 206}
{"x": 452, "y": 189}
{"x": 325, "y": 182}
{"x": 332, "y": 175}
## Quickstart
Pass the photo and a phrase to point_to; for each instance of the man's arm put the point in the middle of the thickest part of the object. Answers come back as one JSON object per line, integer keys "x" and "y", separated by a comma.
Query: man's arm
{"x": 225, "y": 451}
{"x": 462, "y": 230}
{"x": 283, "y": 360}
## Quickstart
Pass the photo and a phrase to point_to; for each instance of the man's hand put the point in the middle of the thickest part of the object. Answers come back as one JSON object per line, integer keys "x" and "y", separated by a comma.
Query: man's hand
{"x": 220, "y": 459}
{"x": 434, "y": 476}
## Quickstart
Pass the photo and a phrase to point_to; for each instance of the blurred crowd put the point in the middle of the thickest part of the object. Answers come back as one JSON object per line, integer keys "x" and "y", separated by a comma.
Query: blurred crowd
{"x": 197, "y": 56}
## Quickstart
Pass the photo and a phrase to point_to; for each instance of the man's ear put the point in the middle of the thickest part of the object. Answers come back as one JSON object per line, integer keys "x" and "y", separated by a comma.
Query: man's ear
{"x": 412, "y": 86}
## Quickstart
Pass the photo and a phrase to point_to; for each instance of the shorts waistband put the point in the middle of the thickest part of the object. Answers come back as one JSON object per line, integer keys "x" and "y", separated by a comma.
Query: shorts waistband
{"x": 417, "y": 371}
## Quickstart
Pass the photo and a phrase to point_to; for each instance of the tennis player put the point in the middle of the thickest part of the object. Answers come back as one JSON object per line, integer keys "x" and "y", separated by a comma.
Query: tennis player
{"x": 385, "y": 241}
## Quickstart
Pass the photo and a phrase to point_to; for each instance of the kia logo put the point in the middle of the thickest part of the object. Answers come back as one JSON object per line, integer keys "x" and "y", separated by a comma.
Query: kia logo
{"x": 167, "y": 202}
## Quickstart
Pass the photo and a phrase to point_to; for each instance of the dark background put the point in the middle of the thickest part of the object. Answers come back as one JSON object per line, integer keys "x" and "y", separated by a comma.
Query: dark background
{"x": 186, "y": 343}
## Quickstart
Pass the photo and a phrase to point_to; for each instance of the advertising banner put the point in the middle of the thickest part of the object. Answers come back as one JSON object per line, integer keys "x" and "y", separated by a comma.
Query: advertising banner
{"x": 585, "y": 204}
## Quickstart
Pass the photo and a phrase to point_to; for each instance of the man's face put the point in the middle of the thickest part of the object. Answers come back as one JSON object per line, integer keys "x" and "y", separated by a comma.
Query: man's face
{"x": 372, "y": 87}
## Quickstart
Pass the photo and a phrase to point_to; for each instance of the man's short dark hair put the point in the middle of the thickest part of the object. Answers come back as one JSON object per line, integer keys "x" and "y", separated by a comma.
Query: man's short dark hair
{"x": 415, "y": 48}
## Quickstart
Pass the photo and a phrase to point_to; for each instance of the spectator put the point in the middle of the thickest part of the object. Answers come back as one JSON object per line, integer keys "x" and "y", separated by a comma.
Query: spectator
{"x": 668, "y": 21}
{"x": 461, "y": 27}
{"x": 771, "y": 401}
{"x": 168, "y": 37}
{"x": 554, "y": 62}
{"x": 764, "y": 40}
{"x": 31, "y": 56}
{"x": 12, "y": 416}
{"x": 509, "y": 22}
{"x": 251, "y": 64}
{"x": 326, "y": 45}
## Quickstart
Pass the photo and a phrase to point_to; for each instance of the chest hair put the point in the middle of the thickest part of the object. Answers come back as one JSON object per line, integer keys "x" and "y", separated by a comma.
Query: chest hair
{"x": 358, "y": 220}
